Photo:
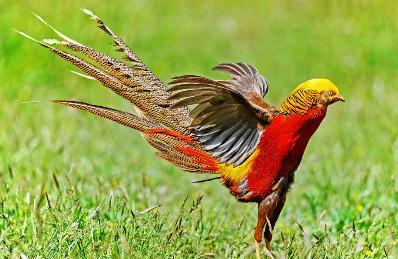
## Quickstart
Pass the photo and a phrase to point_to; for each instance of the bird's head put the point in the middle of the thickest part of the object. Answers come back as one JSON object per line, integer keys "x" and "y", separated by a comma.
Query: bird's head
{"x": 328, "y": 92}
{"x": 314, "y": 93}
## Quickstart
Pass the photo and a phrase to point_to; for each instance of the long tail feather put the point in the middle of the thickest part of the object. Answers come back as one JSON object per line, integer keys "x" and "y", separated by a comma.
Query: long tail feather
{"x": 89, "y": 69}
{"x": 123, "y": 118}
{"x": 176, "y": 119}
{"x": 141, "y": 86}
{"x": 164, "y": 127}
{"x": 171, "y": 146}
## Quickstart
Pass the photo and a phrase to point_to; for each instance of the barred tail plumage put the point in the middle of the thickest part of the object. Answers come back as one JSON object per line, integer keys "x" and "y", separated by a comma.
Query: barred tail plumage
{"x": 165, "y": 127}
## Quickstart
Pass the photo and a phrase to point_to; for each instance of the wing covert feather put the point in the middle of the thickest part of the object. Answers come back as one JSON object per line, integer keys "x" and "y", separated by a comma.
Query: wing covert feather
{"x": 230, "y": 115}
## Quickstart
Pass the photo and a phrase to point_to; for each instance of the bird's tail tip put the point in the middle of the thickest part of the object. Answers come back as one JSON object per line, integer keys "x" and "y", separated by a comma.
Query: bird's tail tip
{"x": 89, "y": 13}
{"x": 58, "y": 101}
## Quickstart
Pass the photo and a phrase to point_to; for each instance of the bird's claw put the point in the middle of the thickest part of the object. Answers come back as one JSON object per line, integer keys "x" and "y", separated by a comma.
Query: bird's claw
{"x": 268, "y": 251}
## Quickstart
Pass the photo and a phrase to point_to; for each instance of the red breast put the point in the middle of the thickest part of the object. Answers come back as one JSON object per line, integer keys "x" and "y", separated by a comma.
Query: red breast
{"x": 281, "y": 148}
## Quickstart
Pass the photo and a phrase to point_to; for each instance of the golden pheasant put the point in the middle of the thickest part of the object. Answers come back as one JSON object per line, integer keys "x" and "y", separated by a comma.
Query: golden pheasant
{"x": 206, "y": 126}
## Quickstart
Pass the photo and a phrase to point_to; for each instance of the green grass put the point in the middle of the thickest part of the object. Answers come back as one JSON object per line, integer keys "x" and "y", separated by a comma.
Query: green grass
{"x": 73, "y": 185}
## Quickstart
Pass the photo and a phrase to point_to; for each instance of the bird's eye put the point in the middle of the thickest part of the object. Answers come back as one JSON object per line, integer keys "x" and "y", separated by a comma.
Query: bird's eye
{"x": 330, "y": 93}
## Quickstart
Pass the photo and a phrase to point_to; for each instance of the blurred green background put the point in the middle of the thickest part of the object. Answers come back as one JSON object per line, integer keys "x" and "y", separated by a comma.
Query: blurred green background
{"x": 75, "y": 185}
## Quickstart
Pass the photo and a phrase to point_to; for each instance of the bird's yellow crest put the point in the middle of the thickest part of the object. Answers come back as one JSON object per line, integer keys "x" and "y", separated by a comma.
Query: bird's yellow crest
{"x": 317, "y": 84}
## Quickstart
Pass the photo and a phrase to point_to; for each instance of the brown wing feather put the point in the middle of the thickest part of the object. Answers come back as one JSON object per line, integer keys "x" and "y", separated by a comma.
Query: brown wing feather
{"x": 250, "y": 85}
{"x": 229, "y": 115}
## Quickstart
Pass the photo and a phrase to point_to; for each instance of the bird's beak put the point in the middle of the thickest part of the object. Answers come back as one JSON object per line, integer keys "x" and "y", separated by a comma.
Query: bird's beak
{"x": 338, "y": 98}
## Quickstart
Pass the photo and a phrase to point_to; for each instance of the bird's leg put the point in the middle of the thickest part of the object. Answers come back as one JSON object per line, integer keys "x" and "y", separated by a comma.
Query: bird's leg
{"x": 272, "y": 220}
{"x": 268, "y": 212}
{"x": 265, "y": 210}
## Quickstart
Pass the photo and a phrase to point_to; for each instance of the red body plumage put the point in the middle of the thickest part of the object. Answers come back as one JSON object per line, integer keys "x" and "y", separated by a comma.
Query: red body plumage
{"x": 281, "y": 148}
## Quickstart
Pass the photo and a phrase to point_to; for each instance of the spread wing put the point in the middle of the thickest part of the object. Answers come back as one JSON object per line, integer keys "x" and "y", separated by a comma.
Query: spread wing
{"x": 229, "y": 116}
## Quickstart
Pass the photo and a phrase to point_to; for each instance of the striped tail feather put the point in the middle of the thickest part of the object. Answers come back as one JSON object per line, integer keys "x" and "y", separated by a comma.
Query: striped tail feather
{"x": 177, "y": 148}
{"x": 123, "y": 118}
{"x": 135, "y": 83}
{"x": 163, "y": 126}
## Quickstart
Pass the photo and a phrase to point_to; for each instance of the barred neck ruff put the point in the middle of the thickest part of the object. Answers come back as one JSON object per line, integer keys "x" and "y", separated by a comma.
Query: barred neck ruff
{"x": 299, "y": 102}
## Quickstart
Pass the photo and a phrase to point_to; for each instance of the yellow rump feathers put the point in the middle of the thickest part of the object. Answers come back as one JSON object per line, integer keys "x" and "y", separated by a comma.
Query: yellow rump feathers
{"x": 237, "y": 173}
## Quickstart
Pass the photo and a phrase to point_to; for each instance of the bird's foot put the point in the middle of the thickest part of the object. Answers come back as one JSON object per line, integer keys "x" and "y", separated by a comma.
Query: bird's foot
{"x": 268, "y": 250}
{"x": 258, "y": 249}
